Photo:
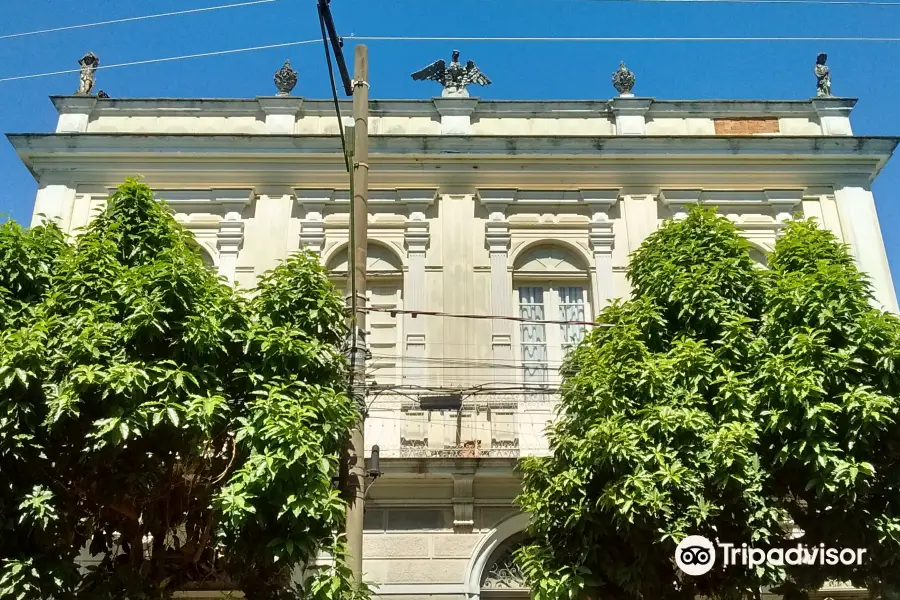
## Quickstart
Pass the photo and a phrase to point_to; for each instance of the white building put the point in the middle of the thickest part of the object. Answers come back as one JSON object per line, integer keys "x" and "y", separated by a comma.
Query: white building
{"x": 477, "y": 208}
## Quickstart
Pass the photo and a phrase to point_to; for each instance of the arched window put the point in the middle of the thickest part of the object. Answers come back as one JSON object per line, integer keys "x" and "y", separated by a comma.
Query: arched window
{"x": 385, "y": 293}
{"x": 502, "y": 577}
{"x": 551, "y": 284}
{"x": 759, "y": 258}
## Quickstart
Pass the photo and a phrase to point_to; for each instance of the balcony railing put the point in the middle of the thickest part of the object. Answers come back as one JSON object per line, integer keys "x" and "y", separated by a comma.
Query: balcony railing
{"x": 473, "y": 449}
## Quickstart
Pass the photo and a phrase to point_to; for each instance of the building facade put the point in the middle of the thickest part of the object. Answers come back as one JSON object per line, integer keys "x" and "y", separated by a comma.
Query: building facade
{"x": 522, "y": 210}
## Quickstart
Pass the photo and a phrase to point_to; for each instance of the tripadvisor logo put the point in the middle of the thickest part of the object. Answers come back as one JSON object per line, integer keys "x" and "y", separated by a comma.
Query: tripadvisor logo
{"x": 696, "y": 555}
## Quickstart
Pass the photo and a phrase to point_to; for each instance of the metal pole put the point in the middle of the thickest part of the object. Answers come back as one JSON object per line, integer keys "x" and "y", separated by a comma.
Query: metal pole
{"x": 360, "y": 216}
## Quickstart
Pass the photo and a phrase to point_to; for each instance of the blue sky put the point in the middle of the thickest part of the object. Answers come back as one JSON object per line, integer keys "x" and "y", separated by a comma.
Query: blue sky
{"x": 560, "y": 70}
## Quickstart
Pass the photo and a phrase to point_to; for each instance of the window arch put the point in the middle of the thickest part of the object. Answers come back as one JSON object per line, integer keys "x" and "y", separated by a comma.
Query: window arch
{"x": 385, "y": 292}
{"x": 551, "y": 284}
{"x": 759, "y": 257}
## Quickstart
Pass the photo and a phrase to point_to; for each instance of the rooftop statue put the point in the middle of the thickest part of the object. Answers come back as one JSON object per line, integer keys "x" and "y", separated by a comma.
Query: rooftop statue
{"x": 454, "y": 77}
{"x": 823, "y": 76}
{"x": 89, "y": 63}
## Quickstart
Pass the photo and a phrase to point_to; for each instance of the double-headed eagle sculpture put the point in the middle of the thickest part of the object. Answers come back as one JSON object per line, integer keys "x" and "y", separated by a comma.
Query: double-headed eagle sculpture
{"x": 454, "y": 77}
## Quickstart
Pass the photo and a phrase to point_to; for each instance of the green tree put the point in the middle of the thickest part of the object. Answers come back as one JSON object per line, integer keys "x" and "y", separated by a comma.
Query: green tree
{"x": 187, "y": 433}
{"x": 656, "y": 434}
{"x": 828, "y": 404}
{"x": 723, "y": 401}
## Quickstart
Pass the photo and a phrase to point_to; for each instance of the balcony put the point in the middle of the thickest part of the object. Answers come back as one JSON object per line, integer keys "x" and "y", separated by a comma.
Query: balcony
{"x": 483, "y": 428}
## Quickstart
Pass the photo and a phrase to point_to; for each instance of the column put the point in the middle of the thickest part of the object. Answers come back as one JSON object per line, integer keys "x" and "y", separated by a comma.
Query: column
{"x": 54, "y": 202}
{"x": 416, "y": 236}
{"x": 602, "y": 241}
{"x": 859, "y": 223}
{"x": 281, "y": 113}
{"x": 497, "y": 240}
{"x": 312, "y": 226}
{"x": 230, "y": 237}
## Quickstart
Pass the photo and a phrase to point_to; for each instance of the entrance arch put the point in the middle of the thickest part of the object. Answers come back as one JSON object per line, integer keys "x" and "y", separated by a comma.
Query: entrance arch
{"x": 491, "y": 572}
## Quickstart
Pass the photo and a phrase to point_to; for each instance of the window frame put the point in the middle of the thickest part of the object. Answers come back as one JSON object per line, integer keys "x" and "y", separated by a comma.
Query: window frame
{"x": 553, "y": 333}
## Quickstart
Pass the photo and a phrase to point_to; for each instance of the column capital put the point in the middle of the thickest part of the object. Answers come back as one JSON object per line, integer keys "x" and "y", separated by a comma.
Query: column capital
{"x": 497, "y": 237}
{"x": 602, "y": 238}
{"x": 230, "y": 234}
{"x": 417, "y": 236}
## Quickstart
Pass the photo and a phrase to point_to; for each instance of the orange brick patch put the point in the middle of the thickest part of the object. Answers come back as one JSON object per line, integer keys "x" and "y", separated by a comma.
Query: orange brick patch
{"x": 745, "y": 126}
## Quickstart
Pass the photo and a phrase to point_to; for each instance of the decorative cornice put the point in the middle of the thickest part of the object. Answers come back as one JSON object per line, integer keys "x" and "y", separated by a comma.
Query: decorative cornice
{"x": 455, "y": 107}
{"x": 280, "y": 105}
{"x": 416, "y": 200}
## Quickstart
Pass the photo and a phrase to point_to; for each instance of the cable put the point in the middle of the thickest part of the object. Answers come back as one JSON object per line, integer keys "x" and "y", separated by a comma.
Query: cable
{"x": 337, "y": 105}
{"x": 432, "y": 313}
{"x": 475, "y": 39}
{"x": 817, "y": 2}
{"x": 167, "y": 59}
{"x": 399, "y": 38}
{"x": 129, "y": 19}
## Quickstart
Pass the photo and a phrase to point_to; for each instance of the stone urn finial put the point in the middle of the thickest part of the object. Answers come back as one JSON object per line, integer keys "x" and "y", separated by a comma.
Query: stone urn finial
{"x": 623, "y": 80}
{"x": 285, "y": 79}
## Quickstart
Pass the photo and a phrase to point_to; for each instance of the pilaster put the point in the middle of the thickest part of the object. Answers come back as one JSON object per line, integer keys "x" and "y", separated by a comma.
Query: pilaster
{"x": 53, "y": 202}
{"x": 312, "y": 225}
{"x": 416, "y": 237}
{"x": 456, "y": 114}
{"x": 497, "y": 239}
{"x": 834, "y": 114}
{"x": 859, "y": 223}
{"x": 281, "y": 113}
{"x": 602, "y": 240}
{"x": 74, "y": 113}
{"x": 630, "y": 115}
{"x": 230, "y": 237}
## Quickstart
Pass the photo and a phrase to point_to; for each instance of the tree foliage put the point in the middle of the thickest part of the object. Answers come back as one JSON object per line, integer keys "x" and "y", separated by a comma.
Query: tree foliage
{"x": 726, "y": 401}
{"x": 186, "y": 433}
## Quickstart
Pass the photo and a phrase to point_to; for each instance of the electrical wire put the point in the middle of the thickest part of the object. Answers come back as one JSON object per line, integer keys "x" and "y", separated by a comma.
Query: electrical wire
{"x": 471, "y": 39}
{"x": 433, "y": 313}
{"x": 166, "y": 59}
{"x": 337, "y": 105}
{"x": 401, "y": 38}
{"x": 8, "y": 36}
{"x": 816, "y": 2}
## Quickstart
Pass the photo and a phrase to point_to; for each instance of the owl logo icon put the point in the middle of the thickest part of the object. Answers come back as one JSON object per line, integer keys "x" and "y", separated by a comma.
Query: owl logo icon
{"x": 695, "y": 555}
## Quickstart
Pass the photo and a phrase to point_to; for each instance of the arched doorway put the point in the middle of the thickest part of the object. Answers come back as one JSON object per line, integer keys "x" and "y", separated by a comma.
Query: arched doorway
{"x": 492, "y": 573}
{"x": 502, "y": 577}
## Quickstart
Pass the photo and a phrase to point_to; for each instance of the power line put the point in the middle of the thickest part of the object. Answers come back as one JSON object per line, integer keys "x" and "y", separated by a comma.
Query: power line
{"x": 166, "y": 59}
{"x": 129, "y": 19}
{"x": 816, "y": 2}
{"x": 432, "y": 313}
{"x": 621, "y": 39}
{"x": 472, "y": 39}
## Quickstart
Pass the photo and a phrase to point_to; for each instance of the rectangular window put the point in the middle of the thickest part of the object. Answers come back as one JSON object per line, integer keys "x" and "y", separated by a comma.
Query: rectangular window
{"x": 534, "y": 335}
{"x": 571, "y": 308}
{"x": 544, "y": 346}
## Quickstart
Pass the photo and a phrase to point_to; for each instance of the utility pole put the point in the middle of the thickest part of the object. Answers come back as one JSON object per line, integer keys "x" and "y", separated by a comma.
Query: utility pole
{"x": 359, "y": 226}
